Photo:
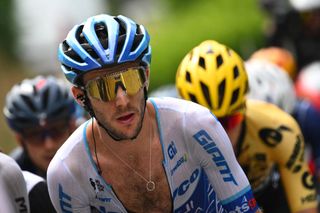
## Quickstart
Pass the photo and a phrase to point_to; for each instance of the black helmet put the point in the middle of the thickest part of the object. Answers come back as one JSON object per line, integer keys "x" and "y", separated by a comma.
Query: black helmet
{"x": 38, "y": 101}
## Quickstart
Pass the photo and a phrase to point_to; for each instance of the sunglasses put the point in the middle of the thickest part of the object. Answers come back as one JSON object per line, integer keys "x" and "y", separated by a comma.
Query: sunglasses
{"x": 105, "y": 88}
{"x": 229, "y": 122}
{"x": 37, "y": 136}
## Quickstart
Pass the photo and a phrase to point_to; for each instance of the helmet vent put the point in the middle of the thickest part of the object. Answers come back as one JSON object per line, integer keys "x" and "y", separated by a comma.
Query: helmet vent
{"x": 221, "y": 90}
{"x": 29, "y": 103}
{"x": 202, "y": 63}
{"x": 188, "y": 77}
{"x": 71, "y": 53}
{"x": 219, "y": 61}
{"x": 235, "y": 72}
{"x": 102, "y": 34}
{"x": 206, "y": 93}
{"x": 193, "y": 98}
{"x": 45, "y": 98}
{"x": 235, "y": 96}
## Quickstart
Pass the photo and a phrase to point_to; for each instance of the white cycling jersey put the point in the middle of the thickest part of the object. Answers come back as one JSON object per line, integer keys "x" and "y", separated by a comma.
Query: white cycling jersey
{"x": 199, "y": 162}
{"x": 13, "y": 190}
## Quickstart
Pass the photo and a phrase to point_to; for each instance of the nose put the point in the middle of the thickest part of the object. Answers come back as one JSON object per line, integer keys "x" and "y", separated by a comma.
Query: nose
{"x": 121, "y": 97}
{"x": 49, "y": 143}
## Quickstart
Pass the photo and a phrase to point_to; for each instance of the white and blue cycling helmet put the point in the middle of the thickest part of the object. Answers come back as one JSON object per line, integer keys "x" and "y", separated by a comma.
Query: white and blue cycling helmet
{"x": 268, "y": 82}
{"x": 101, "y": 41}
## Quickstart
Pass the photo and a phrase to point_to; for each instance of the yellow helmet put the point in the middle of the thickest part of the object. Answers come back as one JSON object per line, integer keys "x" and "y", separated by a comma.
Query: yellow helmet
{"x": 279, "y": 56}
{"x": 214, "y": 76}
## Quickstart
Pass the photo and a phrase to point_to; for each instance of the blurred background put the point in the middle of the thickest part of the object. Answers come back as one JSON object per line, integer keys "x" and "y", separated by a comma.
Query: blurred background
{"x": 31, "y": 31}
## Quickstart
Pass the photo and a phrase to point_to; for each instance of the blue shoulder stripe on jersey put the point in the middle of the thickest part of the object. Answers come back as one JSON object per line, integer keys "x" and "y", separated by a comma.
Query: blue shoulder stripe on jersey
{"x": 86, "y": 145}
{"x": 159, "y": 129}
{"x": 214, "y": 116}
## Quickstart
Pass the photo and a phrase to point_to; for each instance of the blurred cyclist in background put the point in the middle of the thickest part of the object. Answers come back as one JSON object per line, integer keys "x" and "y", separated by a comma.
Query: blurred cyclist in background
{"x": 279, "y": 56}
{"x": 41, "y": 113}
{"x": 294, "y": 25}
{"x": 307, "y": 110}
{"x": 13, "y": 189}
{"x": 267, "y": 141}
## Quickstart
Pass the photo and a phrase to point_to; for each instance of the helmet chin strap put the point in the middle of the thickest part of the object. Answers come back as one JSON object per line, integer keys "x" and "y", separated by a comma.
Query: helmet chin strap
{"x": 89, "y": 109}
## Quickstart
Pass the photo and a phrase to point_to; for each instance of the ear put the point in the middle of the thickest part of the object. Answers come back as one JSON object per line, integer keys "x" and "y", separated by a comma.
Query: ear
{"x": 78, "y": 95}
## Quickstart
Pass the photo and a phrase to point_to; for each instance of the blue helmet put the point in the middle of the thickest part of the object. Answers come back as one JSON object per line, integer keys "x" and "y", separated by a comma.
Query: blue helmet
{"x": 38, "y": 101}
{"x": 100, "y": 41}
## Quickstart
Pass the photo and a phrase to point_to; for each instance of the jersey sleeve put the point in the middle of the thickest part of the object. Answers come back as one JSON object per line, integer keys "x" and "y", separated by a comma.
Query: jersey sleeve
{"x": 213, "y": 149}
{"x": 13, "y": 193}
{"x": 288, "y": 153}
{"x": 64, "y": 190}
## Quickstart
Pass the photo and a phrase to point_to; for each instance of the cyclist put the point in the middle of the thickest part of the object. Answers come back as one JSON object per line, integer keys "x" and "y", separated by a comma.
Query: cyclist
{"x": 307, "y": 110}
{"x": 137, "y": 154}
{"x": 266, "y": 140}
{"x": 279, "y": 56}
{"x": 13, "y": 190}
{"x": 41, "y": 113}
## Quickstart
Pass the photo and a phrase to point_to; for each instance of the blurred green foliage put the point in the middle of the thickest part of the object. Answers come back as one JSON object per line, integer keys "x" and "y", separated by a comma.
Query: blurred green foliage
{"x": 8, "y": 28}
{"x": 237, "y": 24}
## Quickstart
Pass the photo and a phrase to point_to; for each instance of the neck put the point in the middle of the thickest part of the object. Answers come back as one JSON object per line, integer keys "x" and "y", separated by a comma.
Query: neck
{"x": 234, "y": 134}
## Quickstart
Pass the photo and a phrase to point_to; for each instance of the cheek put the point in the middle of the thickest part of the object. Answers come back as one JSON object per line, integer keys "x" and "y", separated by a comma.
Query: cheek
{"x": 34, "y": 151}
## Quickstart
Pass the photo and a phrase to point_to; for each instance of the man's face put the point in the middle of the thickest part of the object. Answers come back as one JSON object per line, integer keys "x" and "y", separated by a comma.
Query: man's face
{"x": 42, "y": 142}
{"x": 117, "y": 99}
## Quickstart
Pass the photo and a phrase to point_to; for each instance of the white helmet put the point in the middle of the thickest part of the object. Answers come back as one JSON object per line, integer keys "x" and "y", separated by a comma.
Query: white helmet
{"x": 168, "y": 90}
{"x": 305, "y": 5}
{"x": 307, "y": 84}
{"x": 270, "y": 83}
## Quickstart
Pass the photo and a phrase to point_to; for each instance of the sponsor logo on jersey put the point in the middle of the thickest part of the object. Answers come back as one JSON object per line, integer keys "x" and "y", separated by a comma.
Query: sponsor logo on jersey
{"x": 185, "y": 185}
{"x": 182, "y": 160}
{"x": 246, "y": 205}
{"x": 296, "y": 156}
{"x": 204, "y": 139}
{"x": 96, "y": 185}
{"x": 65, "y": 201}
{"x": 21, "y": 202}
{"x": 308, "y": 180}
{"x": 172, "y": 150}
{"x": 309, "y": 198}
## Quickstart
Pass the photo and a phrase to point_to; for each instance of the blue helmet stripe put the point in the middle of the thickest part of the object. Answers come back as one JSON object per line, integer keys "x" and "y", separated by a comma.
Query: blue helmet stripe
{"x": 131, "y": 31}
{"x": 107, "y": 56}
{"x": 89, "y": 64}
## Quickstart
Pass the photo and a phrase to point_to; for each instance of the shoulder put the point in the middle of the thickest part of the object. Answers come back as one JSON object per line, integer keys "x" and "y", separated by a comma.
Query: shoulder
{"x": 178, "y": 106}
{"x": 267, "y": 114}
{"x": 69, "y": 154}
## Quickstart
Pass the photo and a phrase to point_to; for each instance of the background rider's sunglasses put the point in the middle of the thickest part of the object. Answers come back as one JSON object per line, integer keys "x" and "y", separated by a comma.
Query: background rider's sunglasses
{"x": 37, "y": 136}
{"x": 229, "y": 122}
{"x": 105, "y": 88}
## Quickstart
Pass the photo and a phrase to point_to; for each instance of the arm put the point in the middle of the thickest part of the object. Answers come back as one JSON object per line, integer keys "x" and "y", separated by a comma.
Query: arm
{"x": 215, "y": 154}
{"x": 64, "y": 191}
{"x": 296, "y": 178}
{"x": 13, "y": 193}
